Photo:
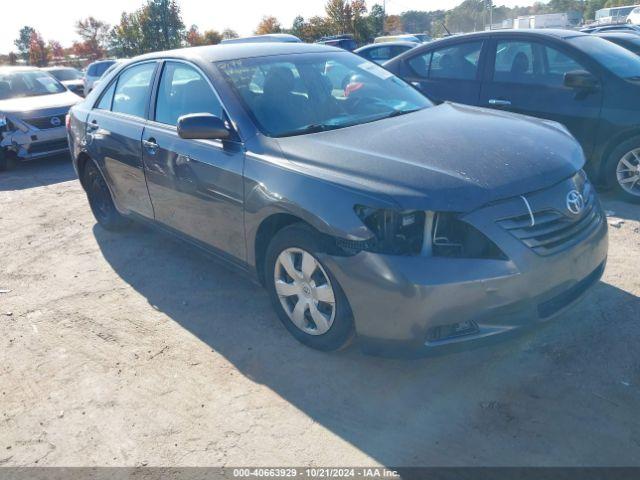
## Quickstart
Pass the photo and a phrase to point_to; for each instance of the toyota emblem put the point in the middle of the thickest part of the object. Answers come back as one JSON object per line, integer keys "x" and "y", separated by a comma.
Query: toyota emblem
{"x": 55, "y": 121}
{"x": 575, "y": 202}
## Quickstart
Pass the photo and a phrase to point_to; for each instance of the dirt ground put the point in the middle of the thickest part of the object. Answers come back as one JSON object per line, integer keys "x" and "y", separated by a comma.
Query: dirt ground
{"x": 134, "y": 349}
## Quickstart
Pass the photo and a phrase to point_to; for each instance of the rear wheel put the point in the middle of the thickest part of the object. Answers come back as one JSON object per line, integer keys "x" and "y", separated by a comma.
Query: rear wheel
{"x": 100, "y": 201}
{"x": 7, "y": 161}
{"x": 306, "y": 296}
{"x": 622, "y": 170}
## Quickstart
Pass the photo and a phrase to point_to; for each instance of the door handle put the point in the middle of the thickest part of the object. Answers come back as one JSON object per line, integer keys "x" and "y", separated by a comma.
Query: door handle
{"x": 498, "y": 102}
{"x": 93, "y": 126}
{"x": 151, "y": 146}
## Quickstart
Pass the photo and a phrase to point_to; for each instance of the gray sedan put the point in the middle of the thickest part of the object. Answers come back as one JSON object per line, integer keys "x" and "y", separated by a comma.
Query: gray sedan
{"x": 367, "y": 212}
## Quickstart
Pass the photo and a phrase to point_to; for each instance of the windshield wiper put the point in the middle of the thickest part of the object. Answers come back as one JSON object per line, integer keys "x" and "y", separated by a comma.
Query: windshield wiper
{"x": 397, "y": 113}
{"x": 311, "y": 128}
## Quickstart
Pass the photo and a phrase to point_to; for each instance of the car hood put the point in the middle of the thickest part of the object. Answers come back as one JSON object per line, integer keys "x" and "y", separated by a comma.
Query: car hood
{"x": 41, "y": 105}
{"x": 447, "y": 158}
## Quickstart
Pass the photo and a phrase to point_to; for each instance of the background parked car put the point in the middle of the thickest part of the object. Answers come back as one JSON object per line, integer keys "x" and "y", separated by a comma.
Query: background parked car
{"x": 71, "y": 78}
{"x": 628, "y": 40}
{"x": 33, "y": 106}
{"x": 381, "y": 52}
{"x": 589, "y": 84}
{"x": 612, "y": 27}
{"x": 346, "y": 42}
{"x": 271, "y": 37}
{"x": 94, "y": 72}
{"x": 405, "y": 37}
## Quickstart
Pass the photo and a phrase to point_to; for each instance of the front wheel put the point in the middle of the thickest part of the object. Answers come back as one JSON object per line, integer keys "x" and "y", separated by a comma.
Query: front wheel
{"x": 100, "y": 201}
{"x": 306, "y": 296}
{"x": 622, "y": 170}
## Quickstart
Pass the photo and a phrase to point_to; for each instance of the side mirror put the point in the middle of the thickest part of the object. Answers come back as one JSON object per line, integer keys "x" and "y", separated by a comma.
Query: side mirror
{"x": 581, "y": 80}
{"x": 202, "y": 126}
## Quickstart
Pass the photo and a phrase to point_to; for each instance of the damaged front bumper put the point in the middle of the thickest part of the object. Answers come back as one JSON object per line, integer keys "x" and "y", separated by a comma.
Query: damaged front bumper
{"x": 27, "y": 142}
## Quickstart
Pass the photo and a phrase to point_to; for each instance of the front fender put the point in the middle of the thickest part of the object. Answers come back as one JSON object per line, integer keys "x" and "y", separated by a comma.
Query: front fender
{"x": 273, "y": 186}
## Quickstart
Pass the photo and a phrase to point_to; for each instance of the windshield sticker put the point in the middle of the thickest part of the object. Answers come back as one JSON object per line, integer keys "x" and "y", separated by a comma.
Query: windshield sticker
{"x": 376, "y": 70}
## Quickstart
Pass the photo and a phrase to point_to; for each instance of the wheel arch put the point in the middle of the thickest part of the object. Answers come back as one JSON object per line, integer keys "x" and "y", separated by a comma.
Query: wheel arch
{"x": 611, "y": 146}
{"x": 267, "y": 229}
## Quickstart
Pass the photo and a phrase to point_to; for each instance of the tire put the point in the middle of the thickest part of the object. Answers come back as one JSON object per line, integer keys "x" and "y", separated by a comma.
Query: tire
{"x": 313, "y": 293}
{"x": 622, "y": 170}
{"x": 100, "y": 201}
{"x": 7, "y": 162}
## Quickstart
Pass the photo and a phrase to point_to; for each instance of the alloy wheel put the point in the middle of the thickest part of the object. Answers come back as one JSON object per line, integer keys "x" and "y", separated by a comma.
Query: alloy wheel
{"x": 305, "y": 291}
{"x": 628, "y": 172}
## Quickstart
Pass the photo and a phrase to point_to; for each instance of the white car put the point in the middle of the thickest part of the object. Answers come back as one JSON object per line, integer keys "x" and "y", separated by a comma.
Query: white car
{"x": 634, "y": 16}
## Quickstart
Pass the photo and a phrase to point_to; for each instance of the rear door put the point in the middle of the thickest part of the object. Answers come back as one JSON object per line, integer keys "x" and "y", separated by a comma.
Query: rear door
{"x": 114, "y": 135}
{"x": 448, "y": 73}
{"x": 196, "y": 186}
{"x": 527, "y": 76}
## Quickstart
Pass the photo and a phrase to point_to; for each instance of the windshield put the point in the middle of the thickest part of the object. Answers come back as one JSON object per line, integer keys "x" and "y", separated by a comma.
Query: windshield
{"x": 66, "y": 74}
{"x": 315, "y": 92}
{"x": 28, "y": 84}
{"x": 618, "y": 60}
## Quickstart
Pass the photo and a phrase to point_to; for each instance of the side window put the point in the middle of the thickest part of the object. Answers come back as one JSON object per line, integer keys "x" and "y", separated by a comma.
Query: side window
{"x": 132, "y": 90}
{"x": 107, "y": 98}
{"x": 558, "y": 63}
{"x": 515, "y": 62}
{"x": 380, "y": 53}
{"x": 459, "y": 62}
{"x": 531, "y": 63}
{"x": 420, "y": 64}
{"x": 183, "y": 90}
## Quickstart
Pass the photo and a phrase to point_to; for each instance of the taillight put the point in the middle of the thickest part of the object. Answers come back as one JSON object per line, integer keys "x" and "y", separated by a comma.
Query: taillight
{"x": 67, "y": 121}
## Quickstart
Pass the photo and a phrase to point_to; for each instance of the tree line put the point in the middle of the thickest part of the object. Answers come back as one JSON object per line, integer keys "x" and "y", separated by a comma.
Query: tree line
{"x": 158, "y": 25}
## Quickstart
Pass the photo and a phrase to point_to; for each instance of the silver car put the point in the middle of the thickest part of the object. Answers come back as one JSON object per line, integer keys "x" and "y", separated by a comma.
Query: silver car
{"x": 33, "y": 106}
{"x": 71, "y": 78}
{"x": 94, "y": 72}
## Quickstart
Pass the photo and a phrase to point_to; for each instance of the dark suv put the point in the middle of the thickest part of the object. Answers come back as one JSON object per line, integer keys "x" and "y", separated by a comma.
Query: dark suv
{"x": 346, "y": 192}
{"x": 588, "y": 84}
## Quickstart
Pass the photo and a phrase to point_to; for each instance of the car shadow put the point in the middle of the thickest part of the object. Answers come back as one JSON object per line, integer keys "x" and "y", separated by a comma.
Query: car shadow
{"x": 615, "y": 207}
{"x": 37, "y": 173}
{"x": 513, "y": 403}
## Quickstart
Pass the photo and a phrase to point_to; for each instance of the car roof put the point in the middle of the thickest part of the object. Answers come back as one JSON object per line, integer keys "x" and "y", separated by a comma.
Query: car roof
{"x": 403, "y": 43}
{"x": 235, "y": 51}
{"x": 17, "y": 68}
{"x": 61, "y": 67}
{"x": 538, "y": 32}
{"x": 622, "y": 35}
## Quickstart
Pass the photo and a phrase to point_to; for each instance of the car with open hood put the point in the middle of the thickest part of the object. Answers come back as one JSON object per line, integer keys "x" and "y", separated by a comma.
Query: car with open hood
{"x": 367, "y": 212}
{"x": 33, "y": 106}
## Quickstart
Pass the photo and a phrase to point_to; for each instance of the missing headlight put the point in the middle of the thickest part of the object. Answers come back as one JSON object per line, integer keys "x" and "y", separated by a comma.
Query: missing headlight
{"x": 394, "y": 232}
{"x": 451, "y": 237}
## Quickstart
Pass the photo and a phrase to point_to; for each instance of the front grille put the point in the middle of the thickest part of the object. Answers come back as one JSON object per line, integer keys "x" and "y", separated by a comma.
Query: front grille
{"x": 554, "y": 231}
{"x": 44, "y": 123}
{"x": 48, "y": 146}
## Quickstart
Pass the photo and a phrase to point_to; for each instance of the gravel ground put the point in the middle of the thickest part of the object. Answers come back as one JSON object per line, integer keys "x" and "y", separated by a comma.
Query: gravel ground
{"x": 134, "y": 349}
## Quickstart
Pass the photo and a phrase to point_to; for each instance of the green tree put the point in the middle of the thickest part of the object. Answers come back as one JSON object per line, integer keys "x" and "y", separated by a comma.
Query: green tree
{"x": 125, "y": 39}
{"x": 23, "y": 41}
{"x": 297, "y": 28}
{"x": 211, "y": 37}
{"x": 376, "y": 20}
{"x": 228, "y": 34}
{"x": 161, "y": 25}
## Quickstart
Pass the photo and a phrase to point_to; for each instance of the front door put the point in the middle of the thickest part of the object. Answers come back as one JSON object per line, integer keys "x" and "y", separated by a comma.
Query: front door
{"x": 450, "y": 73}
{"x": 114, "y": 135}
{"x": 196, "y": 186}
{"x": 528, "y": 77}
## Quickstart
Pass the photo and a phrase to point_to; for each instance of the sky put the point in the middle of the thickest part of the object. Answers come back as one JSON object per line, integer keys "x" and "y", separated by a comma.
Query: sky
{"x": 55, "y": 19}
